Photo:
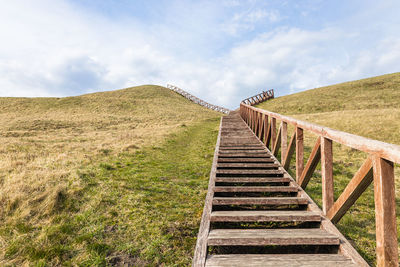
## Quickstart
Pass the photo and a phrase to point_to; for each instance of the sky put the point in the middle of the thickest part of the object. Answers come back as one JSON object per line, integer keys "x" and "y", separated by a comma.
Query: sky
{"x": 220, "y": 51}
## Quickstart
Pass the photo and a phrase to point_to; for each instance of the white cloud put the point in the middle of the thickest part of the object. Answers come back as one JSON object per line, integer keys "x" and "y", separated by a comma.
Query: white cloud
{"x": 52, "y": 48}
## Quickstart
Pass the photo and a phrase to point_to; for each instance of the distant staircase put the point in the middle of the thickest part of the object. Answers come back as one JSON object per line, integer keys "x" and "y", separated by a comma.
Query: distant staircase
{"x": 197, "y": 100}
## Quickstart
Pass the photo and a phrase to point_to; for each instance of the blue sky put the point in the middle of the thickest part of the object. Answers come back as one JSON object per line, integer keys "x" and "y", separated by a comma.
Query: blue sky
{"x": 221, "y": 51}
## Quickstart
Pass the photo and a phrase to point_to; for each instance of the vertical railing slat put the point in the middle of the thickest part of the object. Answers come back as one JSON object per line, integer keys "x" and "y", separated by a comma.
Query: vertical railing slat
{"x": 385, "y": 213}
{"x": 299, "y": 153}
{"x": 327, "y": 174}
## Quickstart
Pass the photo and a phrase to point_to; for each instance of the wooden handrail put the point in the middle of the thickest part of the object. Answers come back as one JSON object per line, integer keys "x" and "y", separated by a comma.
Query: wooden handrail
{"x": 378, "y": 167}
{"x": 197, "y": 100}
{"x": 259, "y": 98}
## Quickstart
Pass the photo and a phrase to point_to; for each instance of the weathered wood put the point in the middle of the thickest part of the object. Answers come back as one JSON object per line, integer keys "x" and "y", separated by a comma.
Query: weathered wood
{"x": 255, "y": 189}
{"x": 243, "y": 151}
{"x": 290, "y": 151}
{"x": 273, "y": 132}
{"x": 387, "y": 151}
{"x": 299, "y": 153}
{"x": 311, "y": 164}
{"x": 277, "y": 143}
{"x": 275, "y": 260}
{"x": 327, "y": 174}
{"x": 244, "y": 155}
{"x": 265, "y": 216}
{"x": 358, "y": 184}
{"x": 271, "y": 201}
{"x": 247, "y": 160}
{"x": 268, "y": 137}
{"x": 265, "y": 131}
{"x": 265, "y": 237}
{"x": 283, "y": 140}
{"x": 247, "y": 165}
{"x": 200, "y": 251}
{"x": 385, "y": 213}
{"x": 248, "y": 172}
{"x": 252, "y": 180}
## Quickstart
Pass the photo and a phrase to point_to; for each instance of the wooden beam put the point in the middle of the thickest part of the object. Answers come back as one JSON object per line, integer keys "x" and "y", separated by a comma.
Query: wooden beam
{"x": 299, "y": 153}
{"x": 273, "y": 132}
{"x": 311, "y": 164}
{"x": 276, "y": 145}
{"x": 290, "y": 152}
{"x": 268, "y": 138}
{"x": 283, "y": 140}
{"x": 357, "y": 185}
{"x": 265, "y": 130}
{"x": 385, "y": 213}
{"x": 327, "y": 174}
{"x": 387, "y": 151}
{"x": 200, "y": 252}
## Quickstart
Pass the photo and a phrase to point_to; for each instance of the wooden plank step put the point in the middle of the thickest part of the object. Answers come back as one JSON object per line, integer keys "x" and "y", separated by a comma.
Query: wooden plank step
{"x": 244, "y": 151}
{"x": 246, "y": 160}
{"x": 266, "y": 237}
{"x": 270, "y": 201}
{"x": 265, "y": 216}
{"x": 248, "y": 165}
{"x": 235, "y": 148}
{"x": 252, "y": 180}
{"x": 292, "y": 260}
{"x": 247, "y": 172}
{"x": 255, "y": 189}
{"x": 244, "y": 155}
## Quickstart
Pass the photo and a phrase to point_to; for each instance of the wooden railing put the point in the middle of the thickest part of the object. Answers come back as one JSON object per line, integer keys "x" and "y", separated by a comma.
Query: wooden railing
{"x": 378, "y": 167}
{"x": 197, "y": 100}
{"x": 261, "y": 97}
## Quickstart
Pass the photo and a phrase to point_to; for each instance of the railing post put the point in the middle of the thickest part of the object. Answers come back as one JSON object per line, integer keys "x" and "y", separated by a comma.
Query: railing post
{"x": 385, "y": 213}
{"x": 273, "y": 132}
{"x": 265, "y": 130}
{"x": 327, "y": 174}
{"x": 299, "y": 153}
{"x": 283, "y": 141}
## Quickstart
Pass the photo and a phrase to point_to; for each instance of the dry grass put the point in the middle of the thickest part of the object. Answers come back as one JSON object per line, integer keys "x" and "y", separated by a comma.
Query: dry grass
{"x": 45, "y": 141}
{"x": 370, "y": 108}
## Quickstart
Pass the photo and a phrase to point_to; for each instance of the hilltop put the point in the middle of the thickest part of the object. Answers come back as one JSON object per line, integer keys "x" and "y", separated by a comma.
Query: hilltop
{"x": 368, "y": 107}
{"x": 103, "y": 179}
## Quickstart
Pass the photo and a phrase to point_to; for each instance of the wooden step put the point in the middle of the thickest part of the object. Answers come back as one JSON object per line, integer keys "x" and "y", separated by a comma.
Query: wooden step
{"x": 246, "y": 160}
{"x": 265, "y": 216}
{"x": 247, "y": 172}
{"x": 252, "y": 150}
{"x": 267, "y": 237}
{"x": 248, "y": 165}
{"x": 236, "y": 148}
{"x": 292, "y": 260}
{"x": 244, "y": 155}
{"x": 252, "y": 180}
{"x": 244, "y": 151}
{"x": 239, "y": 143}
{"x": 270, "y": 201}
{"x": 255, "y": 189}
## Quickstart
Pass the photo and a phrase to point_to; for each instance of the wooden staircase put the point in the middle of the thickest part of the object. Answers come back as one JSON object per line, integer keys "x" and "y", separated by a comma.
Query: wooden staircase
{"x": 256, "y": 215}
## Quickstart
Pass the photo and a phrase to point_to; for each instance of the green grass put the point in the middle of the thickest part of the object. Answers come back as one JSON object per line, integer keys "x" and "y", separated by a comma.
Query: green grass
{"x": 368, "y": 107}
{"x": 103, "y": 179}
{"x": 141, "y": 209}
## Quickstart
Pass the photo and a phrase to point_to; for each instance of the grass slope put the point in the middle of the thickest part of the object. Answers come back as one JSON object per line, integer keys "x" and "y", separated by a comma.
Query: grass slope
{"x": 368, "y": 107}
{"x": 102, "y": 179}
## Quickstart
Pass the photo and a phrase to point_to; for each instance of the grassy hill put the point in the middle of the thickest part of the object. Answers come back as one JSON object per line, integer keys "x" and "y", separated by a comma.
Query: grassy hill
{"x": 368, "y": 107}
{"x": 108, "y": 178}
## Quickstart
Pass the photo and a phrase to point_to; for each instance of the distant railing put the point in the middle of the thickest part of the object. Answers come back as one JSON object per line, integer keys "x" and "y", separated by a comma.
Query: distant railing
{"x": 257, "y": 99}
{"x": 378, "y": 167}
{"x": 197, "y": 100}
